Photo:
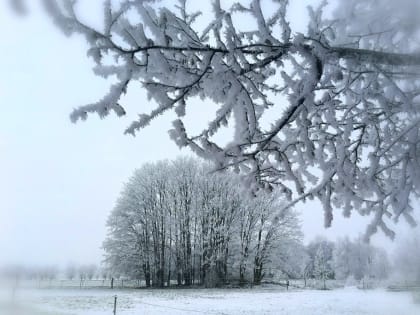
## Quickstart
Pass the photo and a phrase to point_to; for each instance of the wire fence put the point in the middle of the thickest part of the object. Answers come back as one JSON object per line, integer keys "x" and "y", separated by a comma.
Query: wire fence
{"x": 139, "y": 283}
{"x": 82, "y": 283}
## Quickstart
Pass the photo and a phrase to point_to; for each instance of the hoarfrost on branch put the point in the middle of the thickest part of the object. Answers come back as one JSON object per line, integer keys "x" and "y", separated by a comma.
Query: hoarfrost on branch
{"x": 344, "y": 95}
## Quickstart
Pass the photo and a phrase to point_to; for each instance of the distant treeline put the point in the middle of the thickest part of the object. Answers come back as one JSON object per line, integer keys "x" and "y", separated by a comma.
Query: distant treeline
{"x": 321, "y": 260}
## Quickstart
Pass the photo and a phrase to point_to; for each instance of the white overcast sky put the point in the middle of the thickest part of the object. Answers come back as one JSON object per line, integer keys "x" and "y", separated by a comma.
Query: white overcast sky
{"x": 59, "y": 181}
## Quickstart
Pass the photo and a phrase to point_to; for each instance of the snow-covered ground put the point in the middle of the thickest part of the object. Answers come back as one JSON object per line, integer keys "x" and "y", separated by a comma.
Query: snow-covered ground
{"x": 209, "y": 301}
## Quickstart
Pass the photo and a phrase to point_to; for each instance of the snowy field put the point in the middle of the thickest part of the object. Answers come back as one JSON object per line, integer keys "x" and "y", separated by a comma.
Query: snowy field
{"x": 209, "y": 301}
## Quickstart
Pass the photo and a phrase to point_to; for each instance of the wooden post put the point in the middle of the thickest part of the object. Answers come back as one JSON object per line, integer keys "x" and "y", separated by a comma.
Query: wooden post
{"x": 115, "y": 305}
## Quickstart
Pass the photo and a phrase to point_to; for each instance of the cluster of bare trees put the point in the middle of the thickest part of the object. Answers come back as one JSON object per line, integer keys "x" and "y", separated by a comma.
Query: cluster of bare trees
{"x": 359, "y": 260}
{"x": 407, "y": 258}
{"x": 18, "y": 272}
{"x": 53, "y": 272}
{"x": 352, "y": 261}
{"x": 344, "y": 259}
{"x": 84, "y": 272}
{"x": 177, "y": 222}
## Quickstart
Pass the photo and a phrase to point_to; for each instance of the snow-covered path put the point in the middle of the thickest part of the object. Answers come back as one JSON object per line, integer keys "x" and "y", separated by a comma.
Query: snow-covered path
{"x": 217, "y": 301}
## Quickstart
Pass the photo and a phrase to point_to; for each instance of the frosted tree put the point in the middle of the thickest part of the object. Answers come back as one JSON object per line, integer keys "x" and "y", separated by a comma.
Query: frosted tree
{"x": 407, "y": 259}
{"x": 129, "y": 243}
{"x": 291, "y": 258}
{"x": 275, "y": 229}
{"x": 359, "y": 260}
{"x": 47, "y": 273}
{"x": 343, "y": 258}
{"x": 329, "y": 114}
{"x": 71, "y": 271}
{"x": 381, "y": 266}
{"x": 247, "y": 221}
{"x": 91, "y": 271}
{"x": 320, "y": 262}
{"x": 352, "y": 259}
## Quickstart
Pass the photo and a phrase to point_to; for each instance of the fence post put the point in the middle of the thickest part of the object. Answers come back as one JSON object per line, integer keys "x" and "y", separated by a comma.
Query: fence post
{"x": 115, "y": 305}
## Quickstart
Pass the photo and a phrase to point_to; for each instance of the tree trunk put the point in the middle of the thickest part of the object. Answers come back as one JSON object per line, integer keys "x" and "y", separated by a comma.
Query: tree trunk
{"x": 242, "y": 270}
{"x": 146, "y": 270}
{"x": 258, "y": 271}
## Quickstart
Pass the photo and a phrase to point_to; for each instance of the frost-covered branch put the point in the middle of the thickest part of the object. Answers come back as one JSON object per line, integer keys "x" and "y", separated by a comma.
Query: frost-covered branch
{"x": 332, "y": 114}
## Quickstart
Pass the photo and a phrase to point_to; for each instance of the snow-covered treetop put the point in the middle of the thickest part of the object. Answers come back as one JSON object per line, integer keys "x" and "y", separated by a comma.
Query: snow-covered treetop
{"x": 331, "y": 114}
